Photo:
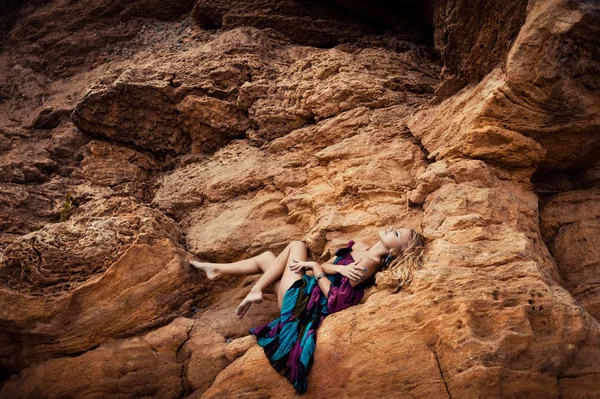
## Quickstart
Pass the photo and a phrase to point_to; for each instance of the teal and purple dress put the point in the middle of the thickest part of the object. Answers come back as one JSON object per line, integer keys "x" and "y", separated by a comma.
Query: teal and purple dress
{"x": 290, "y": 340}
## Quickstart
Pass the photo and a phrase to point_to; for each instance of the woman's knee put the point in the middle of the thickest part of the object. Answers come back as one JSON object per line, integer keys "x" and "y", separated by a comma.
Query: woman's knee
{"x": 298, "y": 244}
{"x": 265, "y": 260}
{"x": 298, "y": 249}
{"x": 268, "y": 255}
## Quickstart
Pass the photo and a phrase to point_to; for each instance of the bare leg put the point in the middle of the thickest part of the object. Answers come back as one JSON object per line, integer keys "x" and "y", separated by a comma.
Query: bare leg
{"x": 289, "y": 277}
{"x": 294, "y": 250}
{"x": 253, "y": 265}
{"x": 247, "y": 266}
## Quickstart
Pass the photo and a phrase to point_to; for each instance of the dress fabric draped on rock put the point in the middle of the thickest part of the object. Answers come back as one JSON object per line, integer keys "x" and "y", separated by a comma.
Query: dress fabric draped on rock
{"x": 290, "y": 340}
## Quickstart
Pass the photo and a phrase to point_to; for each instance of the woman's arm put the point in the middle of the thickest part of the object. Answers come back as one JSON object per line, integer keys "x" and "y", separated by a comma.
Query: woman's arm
{"x": 329, "y": 267}
{"x": 353, "y": 271}
{"x": 324, "y": 283}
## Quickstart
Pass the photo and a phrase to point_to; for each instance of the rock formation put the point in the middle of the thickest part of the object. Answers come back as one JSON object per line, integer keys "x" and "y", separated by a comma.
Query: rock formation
{"x": 135, "y": 136}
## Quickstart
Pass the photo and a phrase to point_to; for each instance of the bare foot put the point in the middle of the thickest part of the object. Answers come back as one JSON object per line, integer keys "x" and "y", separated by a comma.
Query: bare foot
{"x": 252, "y": 297}
{"x": 211, "y": 271}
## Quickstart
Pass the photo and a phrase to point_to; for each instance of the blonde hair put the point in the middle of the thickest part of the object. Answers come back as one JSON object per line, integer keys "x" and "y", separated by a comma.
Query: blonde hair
{"x": 398, "y": 271}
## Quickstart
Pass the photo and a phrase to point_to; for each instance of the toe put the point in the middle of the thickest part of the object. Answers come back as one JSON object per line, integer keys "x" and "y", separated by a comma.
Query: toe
{"x": 239, "y": 311}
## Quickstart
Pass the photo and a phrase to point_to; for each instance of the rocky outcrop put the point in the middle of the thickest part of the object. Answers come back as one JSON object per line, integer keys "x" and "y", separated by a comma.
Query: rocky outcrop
{"x": 60, "y": 36}
{"x": 570, "y": 224}
{"x": 82, "y": 276}
{"x": 224, "y": 129}
{"x": 147, "y": 365}
{"x": 471, "y": 39}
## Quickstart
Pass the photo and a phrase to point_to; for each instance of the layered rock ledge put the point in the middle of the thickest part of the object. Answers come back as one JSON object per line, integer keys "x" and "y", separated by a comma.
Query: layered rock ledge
{"x": 134, "y": 136}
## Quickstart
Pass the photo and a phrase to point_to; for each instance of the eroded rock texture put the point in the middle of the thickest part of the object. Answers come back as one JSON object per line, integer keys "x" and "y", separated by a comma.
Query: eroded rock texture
{"x": 133, "y": 136}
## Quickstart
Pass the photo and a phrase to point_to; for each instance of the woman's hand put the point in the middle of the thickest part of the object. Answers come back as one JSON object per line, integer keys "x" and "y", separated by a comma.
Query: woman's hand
{"x": 300, "y": 265}
{"x": 353, "y": 271}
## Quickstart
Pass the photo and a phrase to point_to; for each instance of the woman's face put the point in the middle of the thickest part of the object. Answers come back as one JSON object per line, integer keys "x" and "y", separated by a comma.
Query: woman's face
{"x": 394, "y": 238}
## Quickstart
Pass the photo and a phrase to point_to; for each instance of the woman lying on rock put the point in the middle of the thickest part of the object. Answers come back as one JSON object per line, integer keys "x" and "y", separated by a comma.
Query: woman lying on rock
{"x": 289, "y": 341}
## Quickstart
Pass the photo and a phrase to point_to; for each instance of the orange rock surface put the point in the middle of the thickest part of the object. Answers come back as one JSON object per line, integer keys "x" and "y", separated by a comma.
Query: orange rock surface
{"x": 133, "y": 136}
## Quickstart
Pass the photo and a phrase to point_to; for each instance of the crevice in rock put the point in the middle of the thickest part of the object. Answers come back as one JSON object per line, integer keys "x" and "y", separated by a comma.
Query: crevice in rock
{"x": 577, "y": 375}
{"x": 417, "y": 141}
{"x": 442, "y": 374}
{"x": 172, "y": 82}
{"x": 163, "y": 157}
{"x": 183, "y": 366}
{"x": 133, "y": 332}
{"x": 79, "y": 353}
{"x": 568, "y": 217}
{"x": 383, "y": 16}
{"x": 226, "y": 367}
{"x": 409, "y": 20}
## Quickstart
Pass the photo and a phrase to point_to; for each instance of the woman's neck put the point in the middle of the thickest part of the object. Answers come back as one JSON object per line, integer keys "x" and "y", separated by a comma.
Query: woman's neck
{"x": 378, "y": 251}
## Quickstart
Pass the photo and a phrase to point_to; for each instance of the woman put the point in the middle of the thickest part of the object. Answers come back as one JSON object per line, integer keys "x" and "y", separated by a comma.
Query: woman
{"x": 304, "y": 300}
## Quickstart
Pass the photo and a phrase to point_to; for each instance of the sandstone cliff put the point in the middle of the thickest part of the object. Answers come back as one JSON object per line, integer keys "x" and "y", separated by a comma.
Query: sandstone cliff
{"x": 133, "y": 134}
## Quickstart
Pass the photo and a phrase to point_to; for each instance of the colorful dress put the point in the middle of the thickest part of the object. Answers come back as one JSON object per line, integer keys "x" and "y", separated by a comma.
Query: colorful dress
{"x": 290, "y": 340}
